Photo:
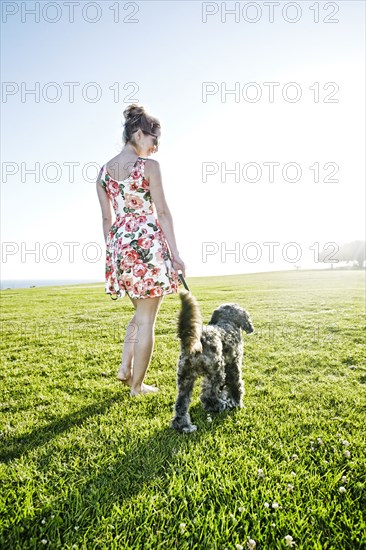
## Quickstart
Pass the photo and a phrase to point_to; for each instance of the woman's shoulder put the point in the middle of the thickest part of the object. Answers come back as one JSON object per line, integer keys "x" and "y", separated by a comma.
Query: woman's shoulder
{"x": 151, "y": 162}
{"x": 152, "y": 168}
{"x": 152, "y": 165}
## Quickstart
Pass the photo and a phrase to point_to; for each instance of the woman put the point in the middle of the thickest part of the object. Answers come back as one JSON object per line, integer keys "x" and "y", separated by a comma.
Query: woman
{"x": 138, "y": 260}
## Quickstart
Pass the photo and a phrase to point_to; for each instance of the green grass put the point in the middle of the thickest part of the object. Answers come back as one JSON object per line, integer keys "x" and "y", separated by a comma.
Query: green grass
{"x": 85, "y": 466}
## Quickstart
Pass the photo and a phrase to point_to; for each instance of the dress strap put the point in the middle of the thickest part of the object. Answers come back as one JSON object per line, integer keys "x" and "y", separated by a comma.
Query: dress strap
{"x": 104, "y": 170}
{"x": 102, "y": 175}
{"x": 142, "y": 165}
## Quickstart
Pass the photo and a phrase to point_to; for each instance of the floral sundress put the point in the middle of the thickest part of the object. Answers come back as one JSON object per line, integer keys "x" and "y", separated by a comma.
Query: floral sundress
{"x": 138, "y": 260}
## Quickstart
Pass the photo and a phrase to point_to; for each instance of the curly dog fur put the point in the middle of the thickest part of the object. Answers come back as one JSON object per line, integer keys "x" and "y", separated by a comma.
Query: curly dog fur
{"x": 215, "y": 352}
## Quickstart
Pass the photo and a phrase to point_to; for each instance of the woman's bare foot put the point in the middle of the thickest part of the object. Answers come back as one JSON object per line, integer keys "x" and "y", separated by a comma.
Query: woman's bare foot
{"x": 127, "y": 382}
{"x": 125, "y": 375}
{"x": 145, "y": 388}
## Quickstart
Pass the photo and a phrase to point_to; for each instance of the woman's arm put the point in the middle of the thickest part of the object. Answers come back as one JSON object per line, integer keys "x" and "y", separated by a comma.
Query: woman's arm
{"x": 106, "y": 207}
{"x": 153, "y": 174}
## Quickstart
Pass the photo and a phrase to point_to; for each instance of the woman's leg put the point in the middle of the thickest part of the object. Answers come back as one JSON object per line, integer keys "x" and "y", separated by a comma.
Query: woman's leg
{"x": 125, "y": 370}
{"x": 145, "y": 317}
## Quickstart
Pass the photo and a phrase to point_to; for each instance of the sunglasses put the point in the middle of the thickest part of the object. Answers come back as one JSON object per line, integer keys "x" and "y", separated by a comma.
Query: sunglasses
{"x": 156, "y": 140}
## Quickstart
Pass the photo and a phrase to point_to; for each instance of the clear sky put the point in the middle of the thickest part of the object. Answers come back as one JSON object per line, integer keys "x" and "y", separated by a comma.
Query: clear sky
{"x": 163, "y": 55}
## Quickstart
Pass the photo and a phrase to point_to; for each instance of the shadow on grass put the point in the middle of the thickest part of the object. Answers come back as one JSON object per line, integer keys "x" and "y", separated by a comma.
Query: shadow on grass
{"x": 148, "y": 462}
{"x": 22, "y": 444}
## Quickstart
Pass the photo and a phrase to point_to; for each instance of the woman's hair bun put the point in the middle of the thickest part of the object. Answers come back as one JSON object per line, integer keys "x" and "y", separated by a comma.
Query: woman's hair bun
{"x": 133, "y": 111}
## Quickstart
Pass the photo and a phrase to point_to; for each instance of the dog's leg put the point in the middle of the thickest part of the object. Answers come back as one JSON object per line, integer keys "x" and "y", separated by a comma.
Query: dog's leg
{"x": 212, "y": 387}
{"x": 185, "y": 382}
{"x": 234, "y": 387}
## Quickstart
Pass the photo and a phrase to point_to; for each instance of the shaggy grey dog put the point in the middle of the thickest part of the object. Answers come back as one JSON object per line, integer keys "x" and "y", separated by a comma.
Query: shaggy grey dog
{"x": 215, "y": 352}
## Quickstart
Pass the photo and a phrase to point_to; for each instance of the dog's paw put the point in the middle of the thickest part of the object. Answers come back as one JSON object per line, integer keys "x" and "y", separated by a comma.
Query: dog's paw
{"x": 222, "y": 405}
{"x": 189, "y": 429}
{"x": 233, "y": 404}
{"x": 224, "y": 394}
{"x": 184, "y": 426}
{"x": 216, "y": 406}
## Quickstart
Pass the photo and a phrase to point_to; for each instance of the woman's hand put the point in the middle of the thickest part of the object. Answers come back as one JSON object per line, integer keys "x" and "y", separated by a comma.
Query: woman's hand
{"x": 178, "y": 263}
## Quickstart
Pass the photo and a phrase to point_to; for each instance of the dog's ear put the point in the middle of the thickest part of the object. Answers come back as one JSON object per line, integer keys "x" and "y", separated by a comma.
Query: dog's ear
{"x": 214, "y": 317}
{"x": 246, "y": 323}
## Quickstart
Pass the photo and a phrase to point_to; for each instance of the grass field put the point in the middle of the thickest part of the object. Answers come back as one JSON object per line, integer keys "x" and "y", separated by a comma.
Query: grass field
{"x": 85, "y": 466}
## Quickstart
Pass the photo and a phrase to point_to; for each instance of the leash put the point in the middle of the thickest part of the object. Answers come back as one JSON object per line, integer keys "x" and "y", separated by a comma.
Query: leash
{"x": 180, "y": 275}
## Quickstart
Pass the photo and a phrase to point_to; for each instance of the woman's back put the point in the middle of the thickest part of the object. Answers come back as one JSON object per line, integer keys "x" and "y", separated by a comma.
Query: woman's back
{"x": 131, "y": 195}
{"x": 120, "y": 166}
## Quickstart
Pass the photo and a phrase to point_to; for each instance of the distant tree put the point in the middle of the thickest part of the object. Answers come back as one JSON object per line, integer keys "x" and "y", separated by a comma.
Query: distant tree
{"x": 354, "y": 251}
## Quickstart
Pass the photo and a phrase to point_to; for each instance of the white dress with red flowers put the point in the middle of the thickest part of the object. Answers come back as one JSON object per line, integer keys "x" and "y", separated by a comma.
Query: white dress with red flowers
{"x": 137, "y": 255}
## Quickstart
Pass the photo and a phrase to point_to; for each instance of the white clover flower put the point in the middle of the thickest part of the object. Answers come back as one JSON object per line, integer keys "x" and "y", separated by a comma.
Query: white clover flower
{"x": 320, "y": 441}
{"x": 53, "y": 515}
{"x": 182, "y": 527}
{"x": 347, "y": 454}
{"x": 342, "y": 489}
{"x": 289, "y": 540}
{"x": 344, "y": 479}
{"x": 290, "y": 487}
{"x": 345, "y": 442}
{"x": 43, "y": 521}
{"x": 44, "y": 541}
{"x": 251, "y": 544}
{"x": 266, "y": 505}
{"x": 260, "y": 472}
{"x": 295, "y": 457}
{"x": 273, "y": 525}
{"x": 275, "y": 505}
{"x": 241, "y": 509}
{"x": 239, "y": 547}
{"x": 209, "y": 418}
{"x": 76, "y": 527}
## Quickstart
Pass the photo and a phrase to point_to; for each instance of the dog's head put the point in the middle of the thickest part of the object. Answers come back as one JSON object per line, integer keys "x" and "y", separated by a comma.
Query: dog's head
{"x": 234, "y": 314}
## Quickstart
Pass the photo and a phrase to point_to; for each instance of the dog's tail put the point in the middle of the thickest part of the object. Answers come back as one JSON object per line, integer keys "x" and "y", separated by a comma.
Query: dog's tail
{"x": 189, "y": 324}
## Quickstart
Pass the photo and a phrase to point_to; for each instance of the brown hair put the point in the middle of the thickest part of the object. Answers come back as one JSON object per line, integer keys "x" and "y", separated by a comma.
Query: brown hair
{"x": 136, "y": 117}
